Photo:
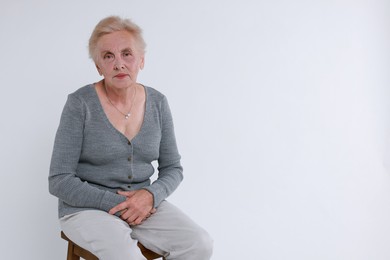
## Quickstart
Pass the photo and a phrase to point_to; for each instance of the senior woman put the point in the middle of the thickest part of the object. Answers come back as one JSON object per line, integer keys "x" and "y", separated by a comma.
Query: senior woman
{"x": 109, "y": 134}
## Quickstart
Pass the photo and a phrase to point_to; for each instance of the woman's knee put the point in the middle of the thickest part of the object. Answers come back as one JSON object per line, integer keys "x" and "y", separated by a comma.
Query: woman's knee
{"x": 203, "y": 245}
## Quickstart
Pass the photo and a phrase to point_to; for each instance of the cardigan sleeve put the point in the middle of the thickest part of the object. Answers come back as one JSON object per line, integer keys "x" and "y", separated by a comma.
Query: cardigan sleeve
{"x": 170, "y": 171}
{"x": 63, "y": 180}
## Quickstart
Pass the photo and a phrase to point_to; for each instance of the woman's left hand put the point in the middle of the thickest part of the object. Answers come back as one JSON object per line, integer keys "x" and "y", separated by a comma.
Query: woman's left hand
{"x": 137, "y": 207}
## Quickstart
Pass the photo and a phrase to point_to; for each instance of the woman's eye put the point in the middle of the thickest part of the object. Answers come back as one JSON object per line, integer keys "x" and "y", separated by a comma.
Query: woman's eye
{"x": 108, "y": 56}
{"x": 126, "y": 54}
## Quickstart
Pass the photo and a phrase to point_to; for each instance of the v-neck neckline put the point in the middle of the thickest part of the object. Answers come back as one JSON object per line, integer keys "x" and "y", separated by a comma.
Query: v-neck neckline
{"x": 108, "y": 122}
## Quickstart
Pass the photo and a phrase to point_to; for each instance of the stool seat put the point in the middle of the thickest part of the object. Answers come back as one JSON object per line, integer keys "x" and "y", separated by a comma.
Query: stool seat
{"x": 75, "y": 251}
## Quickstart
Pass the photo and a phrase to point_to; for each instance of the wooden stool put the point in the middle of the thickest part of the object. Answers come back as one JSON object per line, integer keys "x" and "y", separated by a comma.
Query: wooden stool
{"x": 75, "y": 251}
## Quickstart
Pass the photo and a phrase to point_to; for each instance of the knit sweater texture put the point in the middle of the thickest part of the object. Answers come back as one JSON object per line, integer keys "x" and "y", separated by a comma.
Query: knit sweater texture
{"x": 92, "y": 160}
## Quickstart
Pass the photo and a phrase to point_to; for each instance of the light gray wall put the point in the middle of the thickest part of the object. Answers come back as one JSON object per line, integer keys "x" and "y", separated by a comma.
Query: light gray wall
{"x": 281, "y": 112}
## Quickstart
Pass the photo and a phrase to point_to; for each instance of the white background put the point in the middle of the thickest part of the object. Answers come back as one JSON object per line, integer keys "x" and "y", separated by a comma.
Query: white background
{"x": 281, "y": 112}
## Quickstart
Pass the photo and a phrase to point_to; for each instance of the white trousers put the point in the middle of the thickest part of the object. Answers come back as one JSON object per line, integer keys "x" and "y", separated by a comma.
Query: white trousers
{"x": 168, "y": 232}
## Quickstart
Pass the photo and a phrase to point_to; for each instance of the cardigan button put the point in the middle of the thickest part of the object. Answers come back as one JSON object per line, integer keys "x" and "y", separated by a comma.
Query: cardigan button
{"x": 129, "y": 158}
{"x": 130, "y": 177}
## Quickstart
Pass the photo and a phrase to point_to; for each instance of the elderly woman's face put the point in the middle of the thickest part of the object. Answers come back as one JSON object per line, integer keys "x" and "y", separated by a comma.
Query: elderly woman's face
{"x": 119, "y": 59}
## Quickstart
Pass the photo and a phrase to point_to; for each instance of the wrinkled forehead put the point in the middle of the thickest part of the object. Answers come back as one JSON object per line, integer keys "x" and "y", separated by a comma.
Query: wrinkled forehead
{"x": 117, "y": 42}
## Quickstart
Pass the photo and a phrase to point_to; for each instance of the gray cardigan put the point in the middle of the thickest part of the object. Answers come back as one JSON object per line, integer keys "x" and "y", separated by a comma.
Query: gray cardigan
{"x": 92, "y": 160}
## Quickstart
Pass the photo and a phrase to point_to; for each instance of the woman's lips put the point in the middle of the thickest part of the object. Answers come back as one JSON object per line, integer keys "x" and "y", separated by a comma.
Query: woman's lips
{"x": 121, "y": 75}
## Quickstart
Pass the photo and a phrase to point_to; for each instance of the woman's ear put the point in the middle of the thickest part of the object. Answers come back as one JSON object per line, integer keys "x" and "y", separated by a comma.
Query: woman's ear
{"x": 142, "y": 64}
{"x": 98, "y": 69}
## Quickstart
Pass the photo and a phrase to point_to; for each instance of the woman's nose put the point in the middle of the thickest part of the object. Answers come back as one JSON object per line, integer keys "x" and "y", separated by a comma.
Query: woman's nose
{"x": 118, "y": 64}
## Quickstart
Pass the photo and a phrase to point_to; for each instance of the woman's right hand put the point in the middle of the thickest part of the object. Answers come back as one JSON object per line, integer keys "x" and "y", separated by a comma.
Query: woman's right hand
{"x": 137, "y": 207}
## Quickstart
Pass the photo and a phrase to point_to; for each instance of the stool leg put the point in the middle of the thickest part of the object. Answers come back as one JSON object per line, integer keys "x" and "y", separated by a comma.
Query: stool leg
{"x": 71, "y": 255}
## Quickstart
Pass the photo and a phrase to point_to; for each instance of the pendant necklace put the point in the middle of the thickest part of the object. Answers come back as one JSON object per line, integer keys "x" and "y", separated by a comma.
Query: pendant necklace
{"x": 132, "y": 101}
